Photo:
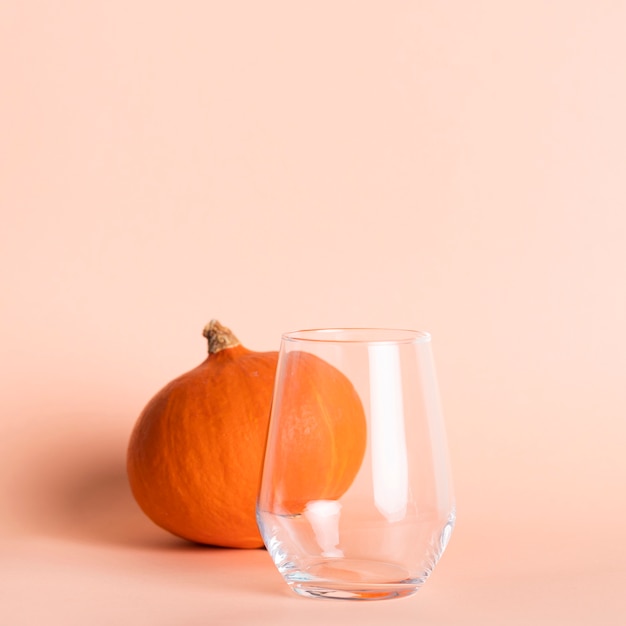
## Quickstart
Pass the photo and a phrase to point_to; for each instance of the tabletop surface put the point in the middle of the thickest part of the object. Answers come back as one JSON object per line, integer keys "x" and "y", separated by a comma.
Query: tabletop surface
{"x": 84, "y": 565}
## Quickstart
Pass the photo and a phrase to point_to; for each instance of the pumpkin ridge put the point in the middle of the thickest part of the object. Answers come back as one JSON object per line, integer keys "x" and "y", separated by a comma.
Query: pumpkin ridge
{"x": 331, "y": 439}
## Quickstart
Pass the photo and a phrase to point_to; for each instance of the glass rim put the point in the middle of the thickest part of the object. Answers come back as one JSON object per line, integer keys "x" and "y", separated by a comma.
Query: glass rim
{"x": 356, "y": 335}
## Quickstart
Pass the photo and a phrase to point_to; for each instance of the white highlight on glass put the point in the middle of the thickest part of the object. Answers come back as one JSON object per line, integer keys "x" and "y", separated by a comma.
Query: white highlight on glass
{"x": 437, "y": 432}
{"x": 388, "y": 440}
{"x": 323, "y": 515}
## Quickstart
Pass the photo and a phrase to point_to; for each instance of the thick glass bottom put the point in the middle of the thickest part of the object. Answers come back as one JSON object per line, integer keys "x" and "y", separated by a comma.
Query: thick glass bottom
{"x": 384, "y": 592}
{"x": 353, "y": 579}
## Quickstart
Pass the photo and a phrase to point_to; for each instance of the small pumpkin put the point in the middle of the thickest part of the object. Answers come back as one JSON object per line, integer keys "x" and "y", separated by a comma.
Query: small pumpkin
{"x": 195, "y": 454}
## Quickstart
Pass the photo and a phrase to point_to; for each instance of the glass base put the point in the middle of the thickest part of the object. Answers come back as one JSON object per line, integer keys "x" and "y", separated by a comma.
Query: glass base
{"x": 353, "y": 579}
{"x": 385, "y": 592}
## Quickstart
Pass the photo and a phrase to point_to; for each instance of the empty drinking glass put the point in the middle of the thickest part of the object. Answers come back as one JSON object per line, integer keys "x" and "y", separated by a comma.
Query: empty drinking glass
{"x": 356, "y": 498}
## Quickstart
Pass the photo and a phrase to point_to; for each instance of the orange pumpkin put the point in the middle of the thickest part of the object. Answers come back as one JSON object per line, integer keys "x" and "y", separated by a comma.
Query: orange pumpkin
{"x": 196, "y": 452}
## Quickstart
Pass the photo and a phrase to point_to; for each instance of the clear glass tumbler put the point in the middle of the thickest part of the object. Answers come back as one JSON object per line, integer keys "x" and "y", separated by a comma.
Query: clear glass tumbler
{"x": 356, "y": 498}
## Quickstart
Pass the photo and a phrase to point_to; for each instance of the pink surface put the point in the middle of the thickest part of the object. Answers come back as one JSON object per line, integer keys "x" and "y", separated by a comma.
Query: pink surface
{"x": 453, "y": 167}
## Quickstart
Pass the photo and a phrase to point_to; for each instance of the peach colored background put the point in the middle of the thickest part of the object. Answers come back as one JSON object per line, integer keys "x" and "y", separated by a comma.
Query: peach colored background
{"x": 458, "y": 167}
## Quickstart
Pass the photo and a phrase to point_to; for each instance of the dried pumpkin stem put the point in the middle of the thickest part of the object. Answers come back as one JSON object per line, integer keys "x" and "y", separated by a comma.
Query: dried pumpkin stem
{"x": 219, "y": 337}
